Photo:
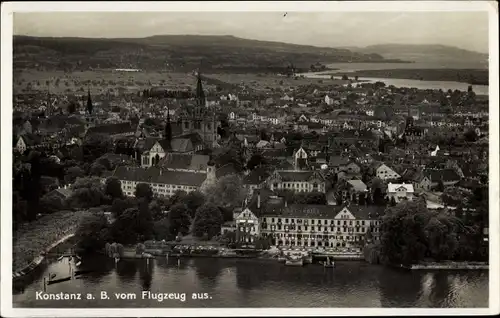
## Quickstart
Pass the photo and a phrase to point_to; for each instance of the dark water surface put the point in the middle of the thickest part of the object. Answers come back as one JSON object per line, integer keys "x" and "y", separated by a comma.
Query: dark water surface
{"x": 256, "y": 283}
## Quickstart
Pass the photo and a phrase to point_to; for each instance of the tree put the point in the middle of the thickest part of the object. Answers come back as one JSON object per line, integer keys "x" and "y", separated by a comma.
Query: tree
{"x": 71, "y": 174}
{"x": 345, "y": 77}
{"x": 143, "y": 190}
{"x": 161, "y": 230}
{"x": 93, "y": 233}
{"x": 96, "y": 145}
{"x": 178, "y": 218}
{"x": 193, "y": 200}
{"x": 227, "y": 192}
{"x": 87, "y": 193}
{"x": 72, "y": 107}
{"x": 471, "y": 136}
{"x": 255, "y": 161}
{"x": 314, "y": 197}
{"x": 126, "y": 228}
{"x": 120, "y": 205}
{"x": 113, "y": 188}
{"x": 97, "y": 169}
{"x": 403, "y": 237}
{"x": 208, "y": 220}
{"x": 177, "y": 197}
{"x": 51, "y": 203}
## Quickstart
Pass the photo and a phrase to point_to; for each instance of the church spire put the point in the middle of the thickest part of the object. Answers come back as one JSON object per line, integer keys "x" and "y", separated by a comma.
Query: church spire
{"x": 89, "y": 103}
{"x": 168, "y": 127}
{"x": 200, "y": 95}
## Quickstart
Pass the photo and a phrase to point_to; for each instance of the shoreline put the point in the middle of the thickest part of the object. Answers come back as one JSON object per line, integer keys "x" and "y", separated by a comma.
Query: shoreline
{"x": 17, "y": 274}
{"x": 431, "y": 75}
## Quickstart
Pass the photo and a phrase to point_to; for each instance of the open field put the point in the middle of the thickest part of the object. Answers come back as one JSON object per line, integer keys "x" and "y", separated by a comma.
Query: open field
{"x": 101, "y": 81}
{"x": 261, "y": 82}
{"x": 59, "y": 82}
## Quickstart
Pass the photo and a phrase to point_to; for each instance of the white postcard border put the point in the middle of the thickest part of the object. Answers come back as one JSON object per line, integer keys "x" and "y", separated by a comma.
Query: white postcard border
{"x": 388, "y": 6}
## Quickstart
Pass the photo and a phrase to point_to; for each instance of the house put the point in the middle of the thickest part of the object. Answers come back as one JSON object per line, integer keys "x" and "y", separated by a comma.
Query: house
{"x": 430, "y": 178}
{"x": 400, "y": 191}
{"x": 298, "y": 181}
{"x": 247, "y": 226}
{"x": 385, "y": 173}
{"x": 321, "y": 226}
{"x": 163, "y": 182}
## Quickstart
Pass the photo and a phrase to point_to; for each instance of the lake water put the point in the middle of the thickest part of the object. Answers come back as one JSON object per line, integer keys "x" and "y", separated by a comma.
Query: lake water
{"x": 259, "y": 283}
{"x": 444, "y": 85}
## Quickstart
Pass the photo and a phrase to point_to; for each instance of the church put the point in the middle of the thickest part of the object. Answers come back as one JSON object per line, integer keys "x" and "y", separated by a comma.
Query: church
{"x": 199, "y": 118}
{"x": 196, "y": 129}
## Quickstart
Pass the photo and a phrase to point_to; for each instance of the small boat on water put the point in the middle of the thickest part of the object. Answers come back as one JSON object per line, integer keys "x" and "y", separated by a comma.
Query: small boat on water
{"x": 328, "y": 263}
{"x": 294, "y": 261}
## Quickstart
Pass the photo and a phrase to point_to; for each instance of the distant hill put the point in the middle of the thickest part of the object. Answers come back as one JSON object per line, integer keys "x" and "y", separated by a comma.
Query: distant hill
{"x": 425, "y": 53}
{"x": 174, "y": 52}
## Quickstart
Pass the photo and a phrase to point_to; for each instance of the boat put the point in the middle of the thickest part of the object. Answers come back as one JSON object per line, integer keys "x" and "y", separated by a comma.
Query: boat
{"x": 281, "y": 259}
{"x": 294, "y": 261}
{"x": 308, "y": 259}
{"x": 328, "y": 263}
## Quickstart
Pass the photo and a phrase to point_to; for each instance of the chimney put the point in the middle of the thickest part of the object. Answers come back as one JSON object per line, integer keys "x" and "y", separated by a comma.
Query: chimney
{"x": 258, "y": 199}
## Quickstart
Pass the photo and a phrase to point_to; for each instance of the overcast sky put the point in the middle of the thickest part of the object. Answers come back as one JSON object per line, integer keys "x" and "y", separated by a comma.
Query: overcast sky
{"x": 467, "y": 30}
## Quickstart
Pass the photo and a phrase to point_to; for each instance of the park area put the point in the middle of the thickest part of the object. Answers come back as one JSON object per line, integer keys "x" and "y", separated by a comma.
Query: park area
{"x": 30, "y": 239}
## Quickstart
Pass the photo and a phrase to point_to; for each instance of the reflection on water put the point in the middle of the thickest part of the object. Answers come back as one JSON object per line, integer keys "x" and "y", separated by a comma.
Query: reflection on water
{"x": 255, "y": 283}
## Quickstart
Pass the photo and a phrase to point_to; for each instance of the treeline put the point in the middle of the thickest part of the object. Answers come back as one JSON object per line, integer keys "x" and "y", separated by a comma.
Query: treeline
{"x": 411, "y": 233}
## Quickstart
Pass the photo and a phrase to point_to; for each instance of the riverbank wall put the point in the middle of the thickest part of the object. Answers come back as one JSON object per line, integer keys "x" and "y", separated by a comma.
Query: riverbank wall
{"x": 40, "y": 258}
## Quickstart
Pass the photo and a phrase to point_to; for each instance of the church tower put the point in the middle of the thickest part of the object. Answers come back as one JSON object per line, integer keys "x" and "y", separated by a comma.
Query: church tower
{"x": 168, "y": 128}
{"x": 200, "y": 94}
{"x": 89, "y": 103}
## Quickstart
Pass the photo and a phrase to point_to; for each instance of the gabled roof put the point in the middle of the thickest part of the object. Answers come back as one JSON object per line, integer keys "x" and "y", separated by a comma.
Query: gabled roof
{"x": 358, "y": 185}
{"x": 112, "y": 129}
{"x": 393, "y": 187}
{"x": 184, "y": 161}
{"x": 444, "y": 175}
{"x": 157, "y": 175}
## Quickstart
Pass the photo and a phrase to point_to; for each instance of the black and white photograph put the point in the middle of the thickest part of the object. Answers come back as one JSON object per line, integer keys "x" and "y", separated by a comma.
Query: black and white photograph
{"x": 249, "y": 158}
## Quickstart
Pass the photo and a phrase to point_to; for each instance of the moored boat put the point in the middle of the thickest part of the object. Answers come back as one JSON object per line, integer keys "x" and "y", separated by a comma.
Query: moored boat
{"x": 294, "y": 261}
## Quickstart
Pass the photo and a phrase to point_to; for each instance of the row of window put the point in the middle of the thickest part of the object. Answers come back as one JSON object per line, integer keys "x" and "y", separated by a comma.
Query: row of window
{"x": 296, "y": 185}
{"x": 319, "y": 228}
{"x": 318, "y": 237}
{"x": 318, "y": 222}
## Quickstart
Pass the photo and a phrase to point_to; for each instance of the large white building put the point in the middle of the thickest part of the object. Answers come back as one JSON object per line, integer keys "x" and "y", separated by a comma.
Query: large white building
{"x": 321, "y": 225}
{"x": 163, "y": 182}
